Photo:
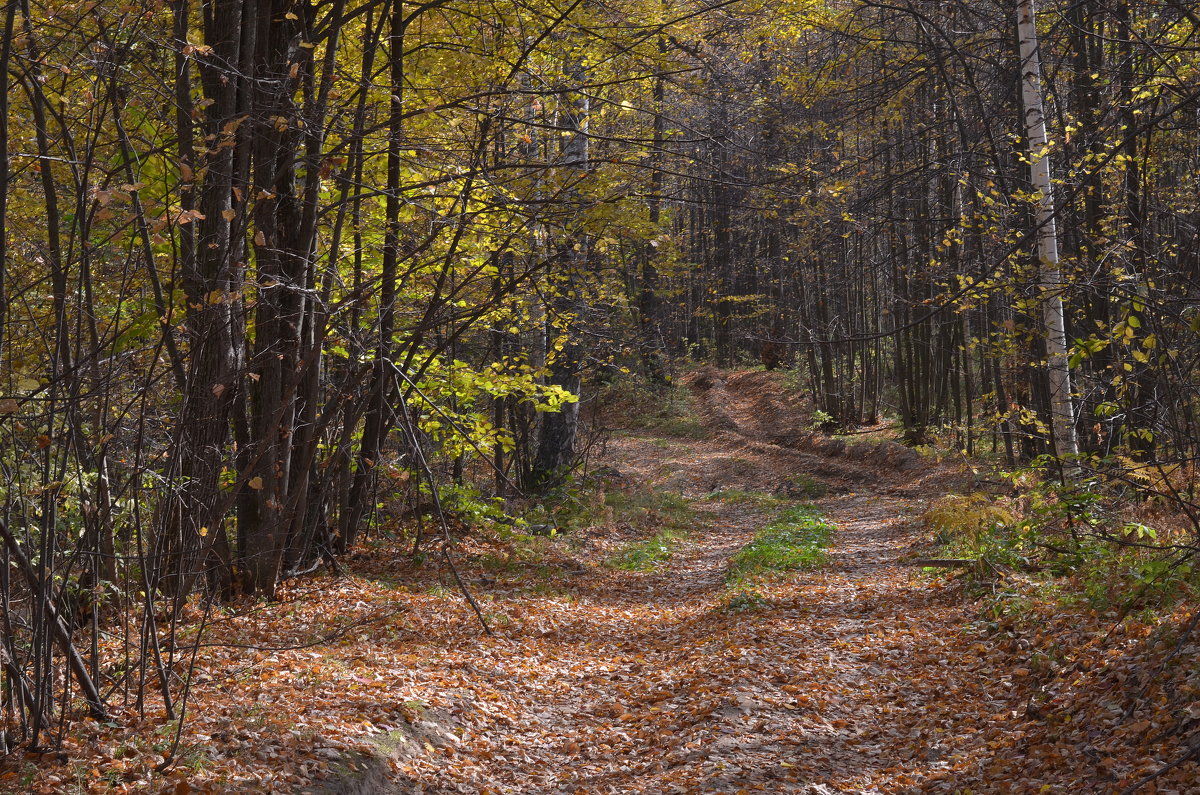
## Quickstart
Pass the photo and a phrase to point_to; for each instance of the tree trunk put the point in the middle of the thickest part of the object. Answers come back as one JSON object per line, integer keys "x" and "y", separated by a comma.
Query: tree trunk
{"x": 380, "y": 411}
{"x": 557, "y": 441}
{"x": 1050, "y": 282}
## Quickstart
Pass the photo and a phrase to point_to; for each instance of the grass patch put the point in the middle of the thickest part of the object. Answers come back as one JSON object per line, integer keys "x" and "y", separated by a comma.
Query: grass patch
{"x": 574, "y": 507}
{"x": 682, "y": 427}
{"x": 796, "y": 539}
{"x": 668, "y": 513}
{"x": 650, "y": 508}
{"x": 805, "y": 487}
{"x": 666, "y": 516}
{"x": 648, "y": 554}
{"x": 744, "y": 497}
{"x": 667, "y": 410}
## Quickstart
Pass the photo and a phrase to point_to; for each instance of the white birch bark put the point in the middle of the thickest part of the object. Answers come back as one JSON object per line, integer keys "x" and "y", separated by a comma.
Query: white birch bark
{"x": 1050, "y": 281}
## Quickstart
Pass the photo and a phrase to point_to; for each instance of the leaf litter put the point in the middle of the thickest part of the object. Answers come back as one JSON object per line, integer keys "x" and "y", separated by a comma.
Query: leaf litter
{"x": 863, "y": 676}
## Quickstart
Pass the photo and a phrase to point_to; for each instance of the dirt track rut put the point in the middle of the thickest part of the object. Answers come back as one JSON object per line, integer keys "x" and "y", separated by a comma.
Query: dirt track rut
{"x": 645, "y": 682}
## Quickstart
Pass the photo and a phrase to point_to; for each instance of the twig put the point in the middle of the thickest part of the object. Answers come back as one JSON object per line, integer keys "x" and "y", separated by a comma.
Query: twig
{"x": 1187, "y": 631}
{"x": 57, "y": 629}
{"x": 419, "y": 454}
{"x": 942, "y": 563}
{"x": 1137, "y": 785}
{"x": 169, "y": 758}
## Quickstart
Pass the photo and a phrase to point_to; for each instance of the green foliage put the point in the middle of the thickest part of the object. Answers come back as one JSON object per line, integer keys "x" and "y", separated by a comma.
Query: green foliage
{"x": 470, "y": 506}
{"x": 648, "y": 554}
{"x": 796, "y": 539}
{"x": 744, "y": 599}
{"x": 1073, "y": 537}
{"x": 567, "y": 508}
{"x": 822, "y": 421}
{"x": 455, "y": 396}
{"x": 1131, "y": 578}
{"x": 805, "y": 486}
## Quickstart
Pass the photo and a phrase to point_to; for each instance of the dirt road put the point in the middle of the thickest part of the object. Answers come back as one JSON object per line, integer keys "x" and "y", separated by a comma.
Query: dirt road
{"x": 650, "y": 682}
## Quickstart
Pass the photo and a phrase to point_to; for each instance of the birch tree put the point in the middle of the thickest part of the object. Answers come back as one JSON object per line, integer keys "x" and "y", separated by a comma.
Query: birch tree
{"x": 1050, "y": 280}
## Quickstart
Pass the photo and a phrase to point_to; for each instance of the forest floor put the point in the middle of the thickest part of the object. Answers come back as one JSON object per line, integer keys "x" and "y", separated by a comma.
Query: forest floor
{"x": 863, "y": 674}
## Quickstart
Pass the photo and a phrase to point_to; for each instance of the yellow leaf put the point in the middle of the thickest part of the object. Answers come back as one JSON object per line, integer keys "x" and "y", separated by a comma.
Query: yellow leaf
{"x": 203, "y": 531}
{"x": 255, "y": 483}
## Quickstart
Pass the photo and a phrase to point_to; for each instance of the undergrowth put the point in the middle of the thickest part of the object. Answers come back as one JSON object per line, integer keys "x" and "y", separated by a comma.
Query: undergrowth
{"x": 667, "y": 410}
{"x": 574, "y": 506}
{"x": 796, "y": 539}
{"x": 743, "y": 497}
{"x": 975, "y": 526}
{"x": 649, "y": 507}
{"x": 645, "y": 508}
{"x": 648, "y": 554}
{"x": 1073, "y": 545}
{"x": 805, "y": 486}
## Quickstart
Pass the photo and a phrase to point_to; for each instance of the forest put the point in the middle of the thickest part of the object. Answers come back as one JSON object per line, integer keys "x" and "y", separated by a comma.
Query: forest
{"x": 374, "y": 360}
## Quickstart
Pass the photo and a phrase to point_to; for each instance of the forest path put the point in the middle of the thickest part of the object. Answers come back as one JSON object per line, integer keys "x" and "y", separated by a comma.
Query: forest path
{"x": 648, "y": 682}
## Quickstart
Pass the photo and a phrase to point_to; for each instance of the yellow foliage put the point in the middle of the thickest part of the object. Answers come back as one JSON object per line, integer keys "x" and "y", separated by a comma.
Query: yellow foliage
{"x": 967, "y": 515}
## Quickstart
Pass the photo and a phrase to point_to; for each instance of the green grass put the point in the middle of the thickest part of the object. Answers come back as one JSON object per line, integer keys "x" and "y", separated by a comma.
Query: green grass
{"x": 744, "y": 600}
{"x": 805, "y": 486}
{"x": 648, "y": 554}
{"x": 574, "y": 507}
{"x": 682, "y": 427}
{"x": 642, "y": 506}
{"x": 668, "y": 513}
{"x": 669, "y": 411}
{"x": 796, "y": 539}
